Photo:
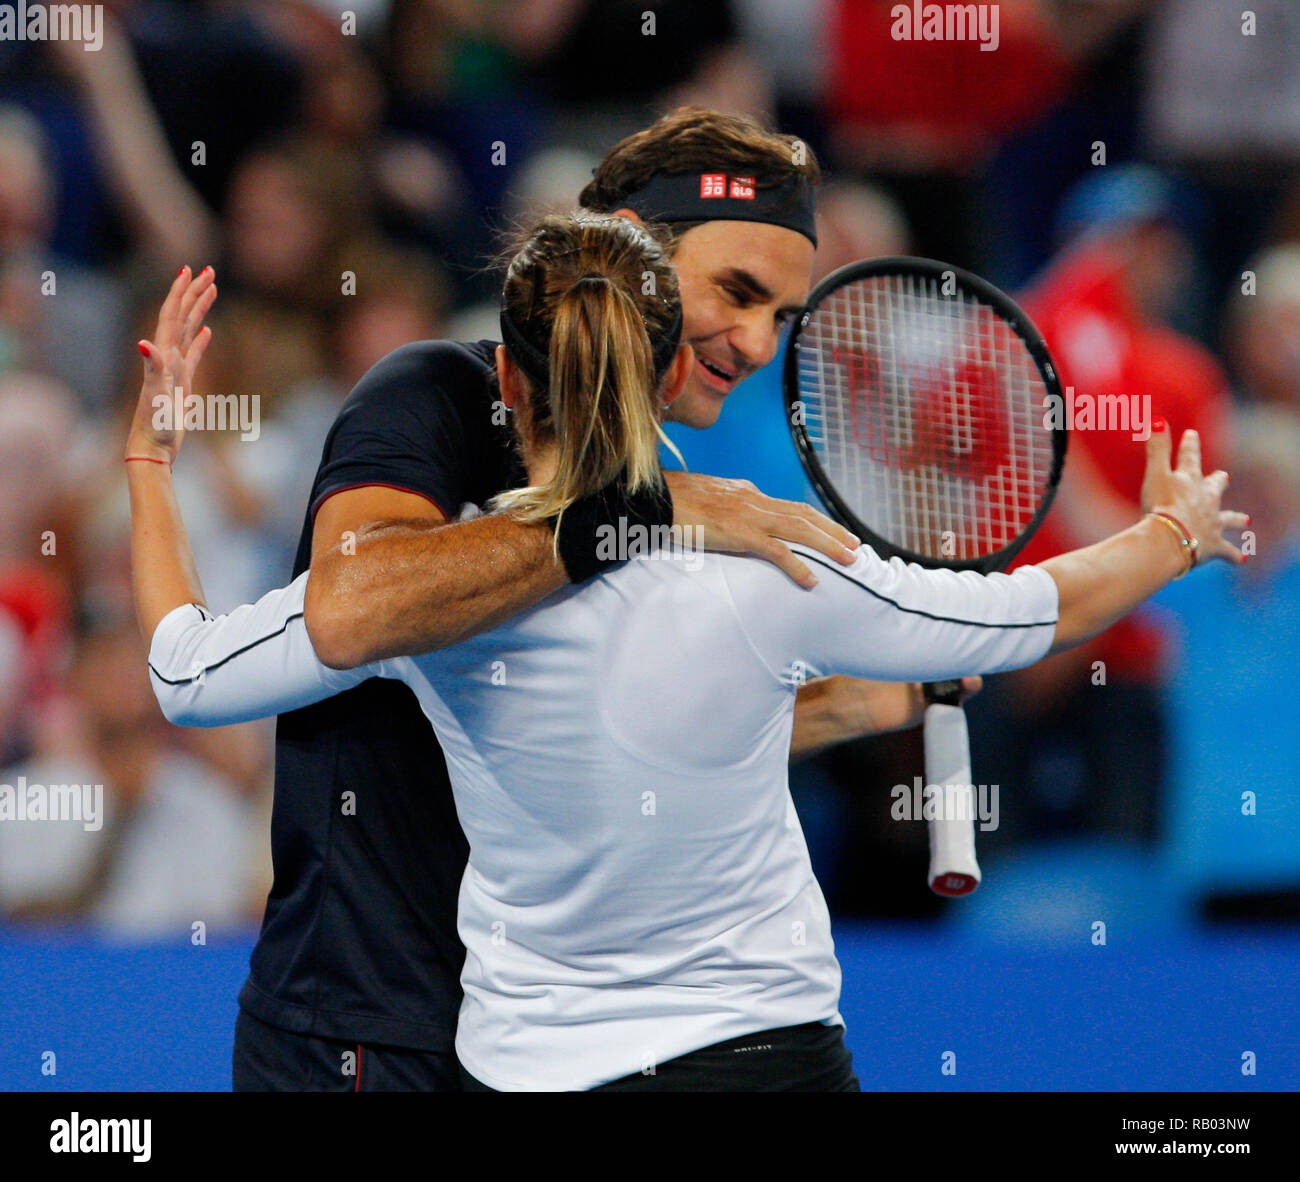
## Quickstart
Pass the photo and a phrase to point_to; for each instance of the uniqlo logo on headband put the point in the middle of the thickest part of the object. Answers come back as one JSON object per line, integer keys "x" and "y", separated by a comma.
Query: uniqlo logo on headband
{"x": 742, "y": 186}
{"x": 713, "y": 184}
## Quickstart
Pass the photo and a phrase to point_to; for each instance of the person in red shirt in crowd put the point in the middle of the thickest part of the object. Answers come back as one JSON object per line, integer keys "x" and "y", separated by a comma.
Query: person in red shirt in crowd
{"x": 1087, "y": 727}
{"x": 922, "y": 108}
{"x": 38, "y": 417}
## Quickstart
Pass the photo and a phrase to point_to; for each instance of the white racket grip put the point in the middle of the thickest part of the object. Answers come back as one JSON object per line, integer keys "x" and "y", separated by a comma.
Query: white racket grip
{"x": 953, "y": 868}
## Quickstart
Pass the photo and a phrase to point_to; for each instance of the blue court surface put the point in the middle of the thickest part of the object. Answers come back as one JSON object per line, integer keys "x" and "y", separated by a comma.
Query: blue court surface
{"x": 1169, "y": 1013}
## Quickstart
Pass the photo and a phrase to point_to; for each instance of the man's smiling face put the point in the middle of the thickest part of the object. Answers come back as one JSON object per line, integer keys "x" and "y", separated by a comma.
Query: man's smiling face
{"x": 741, "y": 283}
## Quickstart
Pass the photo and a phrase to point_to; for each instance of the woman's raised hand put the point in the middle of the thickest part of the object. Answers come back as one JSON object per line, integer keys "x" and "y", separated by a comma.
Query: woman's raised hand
{"x": 1194, "y": 499}
{"x": 170, "y": 360}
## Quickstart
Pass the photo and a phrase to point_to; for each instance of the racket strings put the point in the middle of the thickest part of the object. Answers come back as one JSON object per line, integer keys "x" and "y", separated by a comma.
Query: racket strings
{"x": 925, "y": 410}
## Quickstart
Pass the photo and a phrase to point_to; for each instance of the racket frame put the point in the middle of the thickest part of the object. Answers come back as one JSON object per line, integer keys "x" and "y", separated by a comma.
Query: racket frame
{"x": 1015, "y": 318}
{"x": 943, "y": 698}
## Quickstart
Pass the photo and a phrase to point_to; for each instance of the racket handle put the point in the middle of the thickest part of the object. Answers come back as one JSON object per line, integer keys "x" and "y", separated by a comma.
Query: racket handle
{"x": 953, "y": 868}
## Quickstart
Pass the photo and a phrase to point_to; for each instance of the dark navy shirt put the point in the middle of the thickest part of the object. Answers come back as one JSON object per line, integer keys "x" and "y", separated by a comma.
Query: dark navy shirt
{"x": 359, "y": 938}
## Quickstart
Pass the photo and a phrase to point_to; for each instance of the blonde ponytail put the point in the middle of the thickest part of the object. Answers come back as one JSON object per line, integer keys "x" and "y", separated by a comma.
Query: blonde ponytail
{"x": 601, "y": 405}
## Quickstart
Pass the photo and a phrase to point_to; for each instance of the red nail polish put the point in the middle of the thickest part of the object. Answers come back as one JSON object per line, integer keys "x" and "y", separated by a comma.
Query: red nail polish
{"x": 1157, "y": 425}
{"x": 144, "y": 349}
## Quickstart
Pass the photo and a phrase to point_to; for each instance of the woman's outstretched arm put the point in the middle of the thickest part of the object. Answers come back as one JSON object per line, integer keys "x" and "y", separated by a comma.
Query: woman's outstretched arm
{"x": 162, "y": 565}
{"x": 898, "y": 621}
{"x": 1101, "y": 583}
{"x": 206, "y": 670}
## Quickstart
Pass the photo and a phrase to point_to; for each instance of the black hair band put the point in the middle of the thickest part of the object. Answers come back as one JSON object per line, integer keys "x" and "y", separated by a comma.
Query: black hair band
{"x": 537, "y": 365}
{"x": 725, "y": 197}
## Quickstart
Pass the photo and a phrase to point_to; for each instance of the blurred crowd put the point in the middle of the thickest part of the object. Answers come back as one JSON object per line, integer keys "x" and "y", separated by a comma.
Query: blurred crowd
{"x": 1128, "y": 168}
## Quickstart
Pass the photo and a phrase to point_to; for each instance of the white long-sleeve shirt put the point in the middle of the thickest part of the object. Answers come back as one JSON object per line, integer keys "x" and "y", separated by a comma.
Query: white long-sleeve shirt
{"x": 638, "y": 883}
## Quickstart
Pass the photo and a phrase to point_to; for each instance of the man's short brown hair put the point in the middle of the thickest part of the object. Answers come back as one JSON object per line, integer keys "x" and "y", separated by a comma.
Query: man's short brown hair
{"x": 696, "y": 139}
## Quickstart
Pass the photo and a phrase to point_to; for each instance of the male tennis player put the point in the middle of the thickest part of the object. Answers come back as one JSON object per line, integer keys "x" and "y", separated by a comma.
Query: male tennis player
{"x": 358, "y": 957}
{"x": 640, "y": 911}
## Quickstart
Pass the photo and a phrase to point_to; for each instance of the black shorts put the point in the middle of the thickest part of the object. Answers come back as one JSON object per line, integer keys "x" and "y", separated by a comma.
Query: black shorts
{"x": 268, "y": 1059}
{"x": 807, "y": 1058}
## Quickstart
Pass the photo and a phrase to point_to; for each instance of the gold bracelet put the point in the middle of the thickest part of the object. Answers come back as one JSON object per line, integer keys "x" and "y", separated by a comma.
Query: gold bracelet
{"x": 1189, "y": 544}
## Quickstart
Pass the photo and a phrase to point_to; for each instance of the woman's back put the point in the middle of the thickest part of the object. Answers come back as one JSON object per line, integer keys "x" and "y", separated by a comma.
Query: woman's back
{"x": 638, "y": 883}
{"x": 619, "y": 760}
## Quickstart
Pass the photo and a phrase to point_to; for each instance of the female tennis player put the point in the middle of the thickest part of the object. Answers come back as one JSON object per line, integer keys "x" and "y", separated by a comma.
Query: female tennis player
{"x": 639, "y": 908}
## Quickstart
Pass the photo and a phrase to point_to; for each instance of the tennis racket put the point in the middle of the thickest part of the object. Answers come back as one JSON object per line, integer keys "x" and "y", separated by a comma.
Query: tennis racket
{"x": 916, "y": 393}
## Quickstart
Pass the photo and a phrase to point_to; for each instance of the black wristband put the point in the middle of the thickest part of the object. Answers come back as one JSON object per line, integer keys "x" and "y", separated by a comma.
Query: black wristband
{"x": 596, "y": 532}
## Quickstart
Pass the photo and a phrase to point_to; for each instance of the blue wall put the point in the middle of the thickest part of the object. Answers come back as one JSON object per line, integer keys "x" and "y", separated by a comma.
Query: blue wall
{"x": 1166, "y": 1014}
